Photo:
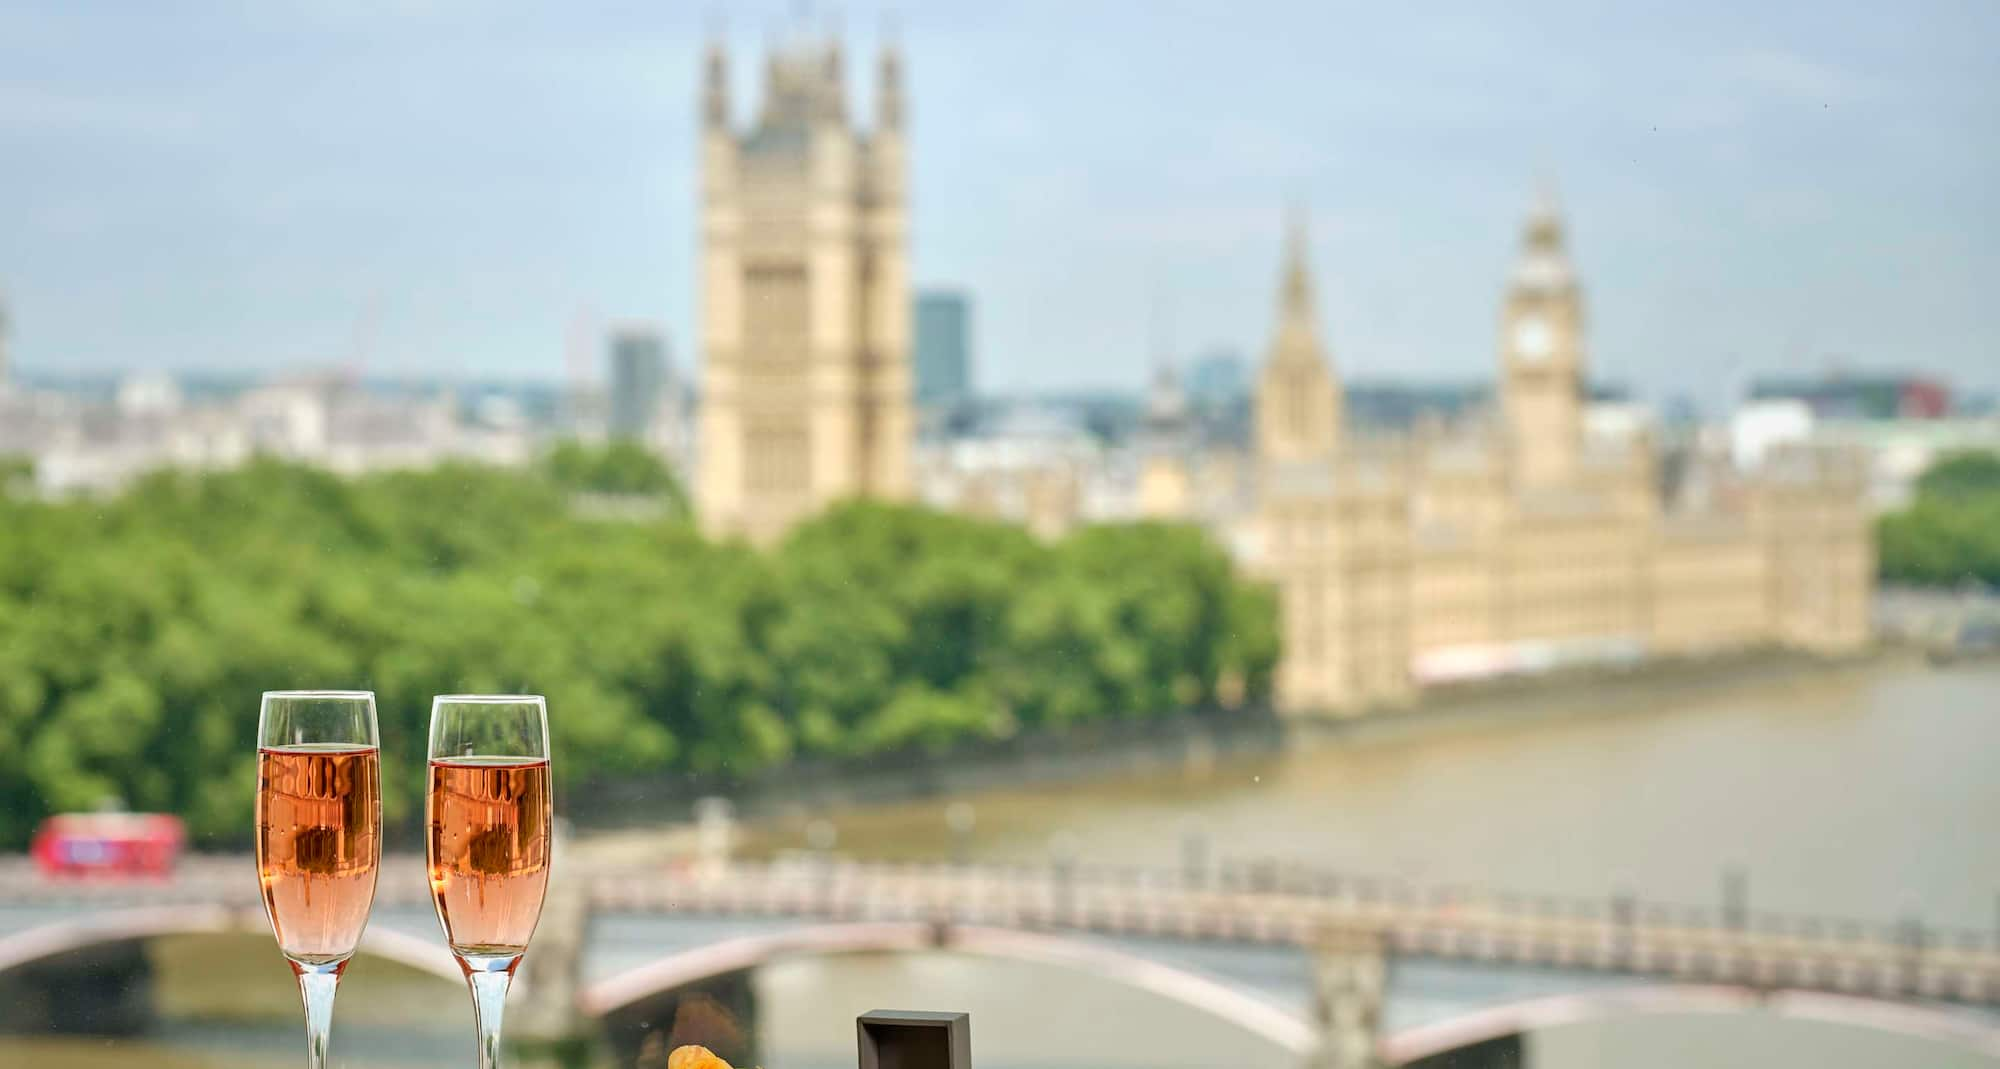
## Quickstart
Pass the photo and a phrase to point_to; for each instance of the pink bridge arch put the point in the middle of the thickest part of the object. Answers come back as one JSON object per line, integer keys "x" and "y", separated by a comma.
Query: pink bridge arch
{"x": 734, "y": 955}
{"x": 32, "y": 944}
{"x": 1959, "y": 1029}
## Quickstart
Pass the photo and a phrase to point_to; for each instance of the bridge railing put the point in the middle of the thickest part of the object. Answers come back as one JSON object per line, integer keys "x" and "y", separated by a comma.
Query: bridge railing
{"x": 1293, "y": 905}
{"x": 1273, "y": 878}
{"x": 1292, "y": 878}
{"x": 208, "y": 878}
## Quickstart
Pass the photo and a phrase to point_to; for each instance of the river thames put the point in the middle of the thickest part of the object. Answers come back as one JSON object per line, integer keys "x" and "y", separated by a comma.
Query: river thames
{"x": 1866, "y": 791}
{"x": 1869, "y": 791}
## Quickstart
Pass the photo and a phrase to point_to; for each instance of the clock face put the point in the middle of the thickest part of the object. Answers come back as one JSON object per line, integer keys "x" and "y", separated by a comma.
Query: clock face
{"x": 1533, "y": 340}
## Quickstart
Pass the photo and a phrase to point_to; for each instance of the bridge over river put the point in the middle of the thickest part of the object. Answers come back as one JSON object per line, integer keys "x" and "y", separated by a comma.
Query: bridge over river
{"x": 1339, "y": 971}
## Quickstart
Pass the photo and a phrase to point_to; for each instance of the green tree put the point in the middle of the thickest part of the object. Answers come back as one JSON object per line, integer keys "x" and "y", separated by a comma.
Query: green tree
{"x": 621, "y": 467}
{"x": 1961, "y": 476}
{"x": 1950, "y": 534}
{"x": 137, "y": 632}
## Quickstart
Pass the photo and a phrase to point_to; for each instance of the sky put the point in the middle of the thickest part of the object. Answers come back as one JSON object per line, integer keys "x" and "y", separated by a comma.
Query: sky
{"x": 481, "y": 190}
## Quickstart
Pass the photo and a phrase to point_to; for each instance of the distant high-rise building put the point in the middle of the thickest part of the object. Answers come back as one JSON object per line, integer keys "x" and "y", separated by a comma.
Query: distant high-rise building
{"x": 1861, "y": 397}
{"x": 944, "y": 348}
{"x": 638, "y": 372}
{"x": 3, "y": 343}
{"x": 1218, "y": 377}
{"x": 805, "y": 296}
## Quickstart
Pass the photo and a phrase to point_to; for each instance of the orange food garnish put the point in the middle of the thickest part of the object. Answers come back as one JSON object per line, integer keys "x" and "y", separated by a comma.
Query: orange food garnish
{"x": 692, "y": 1057}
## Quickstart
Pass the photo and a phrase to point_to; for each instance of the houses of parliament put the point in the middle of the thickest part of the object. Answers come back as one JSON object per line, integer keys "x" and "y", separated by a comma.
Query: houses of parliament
{"x": 1541, "y": 532}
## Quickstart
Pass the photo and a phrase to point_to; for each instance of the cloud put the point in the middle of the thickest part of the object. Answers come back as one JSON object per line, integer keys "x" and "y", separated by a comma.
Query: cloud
{"x": 1746, "y": 86}
{"x": 344, "y": 13}
{"x": 32, "y": 110}
{"x": 1789, "y": 74}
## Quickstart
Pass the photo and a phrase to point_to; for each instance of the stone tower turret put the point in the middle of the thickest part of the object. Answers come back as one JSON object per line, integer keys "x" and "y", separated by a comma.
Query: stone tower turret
{"x": 1541, "y": 354}
{"x": 804, "y": 298}
{"x": 1298, "y": 399}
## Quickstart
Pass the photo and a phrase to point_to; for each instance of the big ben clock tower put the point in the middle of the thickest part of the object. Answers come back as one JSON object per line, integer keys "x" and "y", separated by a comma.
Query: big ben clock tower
{"x": 1541, "y": 355}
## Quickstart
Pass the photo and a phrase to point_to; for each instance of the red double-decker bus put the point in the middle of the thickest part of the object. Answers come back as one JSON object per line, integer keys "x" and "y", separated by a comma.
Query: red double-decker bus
{"x": 108, "y": 844}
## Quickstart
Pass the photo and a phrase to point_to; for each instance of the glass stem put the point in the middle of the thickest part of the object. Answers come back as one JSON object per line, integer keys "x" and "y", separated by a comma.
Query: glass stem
{"x": 317, "y": 982}
{"x": 489, "y": 976}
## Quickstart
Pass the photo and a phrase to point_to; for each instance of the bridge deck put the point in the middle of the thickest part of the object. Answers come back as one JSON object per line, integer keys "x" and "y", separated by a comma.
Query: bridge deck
{"x": 1164, "y": 909}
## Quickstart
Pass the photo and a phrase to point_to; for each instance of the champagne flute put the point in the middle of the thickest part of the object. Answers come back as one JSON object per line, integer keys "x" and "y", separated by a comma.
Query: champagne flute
{"x": 488, "y": 814}
{"x": 319, "y": 836}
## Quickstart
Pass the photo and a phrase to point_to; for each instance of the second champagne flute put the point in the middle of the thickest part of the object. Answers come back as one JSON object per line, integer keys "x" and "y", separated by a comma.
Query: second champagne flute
{"x": 488, "y": 814}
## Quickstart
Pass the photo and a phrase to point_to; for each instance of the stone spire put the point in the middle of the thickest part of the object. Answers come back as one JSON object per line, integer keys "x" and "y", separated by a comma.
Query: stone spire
{"x": 1544, "y": 265}
{"x": 1166, "y": 402}
{"x": 1298, "y": 401}
{"x": 889, "y": 89}
{"x": 1165, "y": 436}
{"x": 1298, "y": 322}
{"x": 715, "y": 86}
{"x": 1298, "y": 290}
{"x": 833, "y": 80}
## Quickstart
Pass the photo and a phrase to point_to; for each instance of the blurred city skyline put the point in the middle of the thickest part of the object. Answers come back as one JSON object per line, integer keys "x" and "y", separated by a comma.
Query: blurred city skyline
{"x": 435, "y": 191}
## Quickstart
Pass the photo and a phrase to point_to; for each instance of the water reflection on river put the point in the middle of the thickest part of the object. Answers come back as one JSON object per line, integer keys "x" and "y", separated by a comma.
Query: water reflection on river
{"x": 1866, "y": 791}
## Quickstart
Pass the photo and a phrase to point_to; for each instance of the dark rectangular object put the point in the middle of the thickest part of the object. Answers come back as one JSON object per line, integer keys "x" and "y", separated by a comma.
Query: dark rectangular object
{"x": 915, "y": 1039}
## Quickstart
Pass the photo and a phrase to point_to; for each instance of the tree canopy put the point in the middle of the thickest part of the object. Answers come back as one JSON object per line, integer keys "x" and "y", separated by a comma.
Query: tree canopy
{"x": 1950, "y": 534}
{"x": 622, "y": 467}
{"x": 137, "y": 632}
{"x": 1961, "y": 476}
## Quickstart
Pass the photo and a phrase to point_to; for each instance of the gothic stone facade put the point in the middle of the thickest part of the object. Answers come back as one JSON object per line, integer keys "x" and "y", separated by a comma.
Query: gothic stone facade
{"x": 1535, "y": 538}
{"x": 805, "y": 297}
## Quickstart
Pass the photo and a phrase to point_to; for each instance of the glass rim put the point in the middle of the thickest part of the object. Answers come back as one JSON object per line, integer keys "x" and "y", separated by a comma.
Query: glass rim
{"x": 296, "y": 717}
{"x": 488, "y": 699}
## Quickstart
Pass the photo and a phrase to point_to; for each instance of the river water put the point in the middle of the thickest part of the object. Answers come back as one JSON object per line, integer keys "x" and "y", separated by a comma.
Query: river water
{"x": 1869, "y": 791}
